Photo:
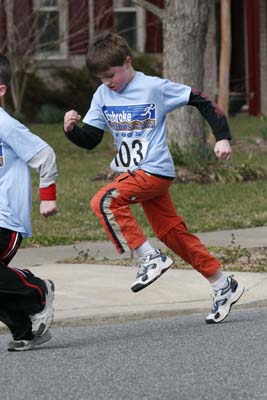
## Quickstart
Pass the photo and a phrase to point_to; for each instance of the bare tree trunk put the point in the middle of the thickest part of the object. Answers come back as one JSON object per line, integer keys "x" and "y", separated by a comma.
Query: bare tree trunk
{"x": 225, "y": 55}
{"x": 9, "y": 8}
{"x": 11, "y": 44}
{"x": 185, "y": 26}
{"x": 18, "y": 86}
{"x": 91, "y": 20}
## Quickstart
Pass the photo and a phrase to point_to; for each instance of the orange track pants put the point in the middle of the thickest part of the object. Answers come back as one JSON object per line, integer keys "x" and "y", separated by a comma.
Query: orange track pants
{"x": 112, "y": 206}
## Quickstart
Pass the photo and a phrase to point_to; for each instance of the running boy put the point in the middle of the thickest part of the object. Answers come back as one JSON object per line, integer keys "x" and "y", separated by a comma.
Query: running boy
{"x": 25, "y": 300}
{"x": 133, "y": 107}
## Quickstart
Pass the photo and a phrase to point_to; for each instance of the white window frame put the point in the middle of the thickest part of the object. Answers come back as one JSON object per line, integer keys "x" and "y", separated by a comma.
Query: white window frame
{"x": 140, "y": 22}
{"x": 61, "y": 8}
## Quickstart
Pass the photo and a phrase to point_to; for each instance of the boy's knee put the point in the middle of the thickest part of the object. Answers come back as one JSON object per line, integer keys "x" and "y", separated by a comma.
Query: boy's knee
{"x": 101, "y": 202}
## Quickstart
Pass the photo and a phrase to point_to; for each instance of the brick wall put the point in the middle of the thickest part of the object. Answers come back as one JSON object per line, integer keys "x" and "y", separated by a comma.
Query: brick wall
{"x": 263, "y": 55}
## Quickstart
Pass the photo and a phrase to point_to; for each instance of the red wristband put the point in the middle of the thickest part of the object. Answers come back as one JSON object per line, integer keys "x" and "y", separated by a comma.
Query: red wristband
{"x": 48, "y": 193}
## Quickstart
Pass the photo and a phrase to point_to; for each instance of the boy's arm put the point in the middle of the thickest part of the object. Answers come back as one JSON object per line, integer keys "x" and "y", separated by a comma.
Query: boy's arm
{"x": 215, "y": 117}
{"x": 45, "y": 163}
{"x": 87, "y": 137}
{"x": 212, "y": 113}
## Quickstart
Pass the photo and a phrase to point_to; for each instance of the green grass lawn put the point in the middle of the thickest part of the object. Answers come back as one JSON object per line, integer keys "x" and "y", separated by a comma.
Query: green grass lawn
{"x": 204, "y": 207}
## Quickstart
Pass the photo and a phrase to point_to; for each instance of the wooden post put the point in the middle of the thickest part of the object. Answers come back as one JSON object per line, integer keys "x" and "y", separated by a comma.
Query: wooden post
{"x": 253, "y": 50}
{"x": 225, "y": 55}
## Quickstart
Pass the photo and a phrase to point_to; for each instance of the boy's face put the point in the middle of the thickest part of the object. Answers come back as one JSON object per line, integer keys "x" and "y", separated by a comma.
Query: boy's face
{"x": 116, "y": 78}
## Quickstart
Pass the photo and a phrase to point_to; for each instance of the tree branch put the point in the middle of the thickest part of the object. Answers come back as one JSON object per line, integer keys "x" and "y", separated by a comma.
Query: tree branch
{"x": 159, "y": 12}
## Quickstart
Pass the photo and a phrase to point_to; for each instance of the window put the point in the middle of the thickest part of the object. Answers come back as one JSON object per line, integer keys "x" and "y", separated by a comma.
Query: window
{"x": 50, "y": 28}
{"x": 129, "y": 23}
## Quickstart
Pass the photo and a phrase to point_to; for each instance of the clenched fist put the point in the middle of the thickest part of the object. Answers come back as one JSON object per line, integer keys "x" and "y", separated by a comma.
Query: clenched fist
{"x": 70, "y": 120}
{"x": 48, "y": 208}
{"x": 223, "y": 149}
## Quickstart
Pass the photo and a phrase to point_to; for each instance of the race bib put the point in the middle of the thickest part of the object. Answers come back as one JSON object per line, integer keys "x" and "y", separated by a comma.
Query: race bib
{"x": 130, "y": 154}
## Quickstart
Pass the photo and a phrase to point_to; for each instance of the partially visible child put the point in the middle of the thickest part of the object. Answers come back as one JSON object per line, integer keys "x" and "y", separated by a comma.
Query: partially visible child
{"x": 26, "y": 301}
{"x": 134, "y": 107}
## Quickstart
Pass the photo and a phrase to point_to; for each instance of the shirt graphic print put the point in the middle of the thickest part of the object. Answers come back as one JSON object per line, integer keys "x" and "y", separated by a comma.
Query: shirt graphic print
{"x": 130, "y": 118}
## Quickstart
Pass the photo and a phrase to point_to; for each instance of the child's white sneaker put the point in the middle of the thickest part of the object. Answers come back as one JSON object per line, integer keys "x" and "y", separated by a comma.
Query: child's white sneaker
{"x": 223, "y": 300}
{"x": 151, "y": 268}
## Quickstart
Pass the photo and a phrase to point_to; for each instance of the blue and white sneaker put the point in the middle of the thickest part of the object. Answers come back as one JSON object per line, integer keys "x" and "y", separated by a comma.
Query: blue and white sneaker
{"x": 151, "y": 268}
{"x": 223, "y": 300}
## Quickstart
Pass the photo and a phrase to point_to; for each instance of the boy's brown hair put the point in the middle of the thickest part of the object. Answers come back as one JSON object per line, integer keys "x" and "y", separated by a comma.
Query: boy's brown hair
{"x": 5, "y": 71}
{"x": 107, "y": 50}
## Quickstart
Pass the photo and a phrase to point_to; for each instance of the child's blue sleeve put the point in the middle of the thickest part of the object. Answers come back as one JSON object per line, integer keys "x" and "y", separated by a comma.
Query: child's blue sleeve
{"x": 24, "y": 143}
{"x": 174, "y": 95}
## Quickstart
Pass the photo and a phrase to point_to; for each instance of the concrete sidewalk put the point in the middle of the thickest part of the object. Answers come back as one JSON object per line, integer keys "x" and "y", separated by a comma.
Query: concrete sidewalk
{"x": 92, "y": 293}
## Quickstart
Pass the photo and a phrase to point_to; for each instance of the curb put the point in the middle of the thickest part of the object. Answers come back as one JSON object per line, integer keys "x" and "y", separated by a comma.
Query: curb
{"x": 121, "y": 318}
{"x": 138, "y": 316}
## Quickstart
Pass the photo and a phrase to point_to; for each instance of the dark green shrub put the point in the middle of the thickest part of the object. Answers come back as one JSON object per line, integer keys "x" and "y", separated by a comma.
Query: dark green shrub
{"x": 50, "y": 114}
{"x": 73, "y": 89}
{"x": 77, "y": 88}
{"x": 196, "y": 157}
{"x": 37, "y": 93}
{"x": 148, "y": 63}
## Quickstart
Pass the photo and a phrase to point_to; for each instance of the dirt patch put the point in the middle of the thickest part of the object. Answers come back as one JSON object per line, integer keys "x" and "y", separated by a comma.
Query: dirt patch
{"x": 233, "y": 258}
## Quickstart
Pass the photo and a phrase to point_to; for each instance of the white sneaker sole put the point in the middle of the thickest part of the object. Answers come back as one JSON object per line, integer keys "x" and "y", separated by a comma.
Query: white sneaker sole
{"x": 36, "y": 341}
{"x": 225, "y": 311}
{"x": 139, "y": 285}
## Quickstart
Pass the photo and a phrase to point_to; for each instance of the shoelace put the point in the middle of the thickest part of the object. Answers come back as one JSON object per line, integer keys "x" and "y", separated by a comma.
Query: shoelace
{"x": 214, "y": 301}
{"x": 218, "y": 298}
{"x": 142, "y": 260}
{"x": 143, "y": 270}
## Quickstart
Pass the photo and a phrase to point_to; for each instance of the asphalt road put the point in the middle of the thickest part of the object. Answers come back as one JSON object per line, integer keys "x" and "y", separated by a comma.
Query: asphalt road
{"x": 176, "y": 358}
